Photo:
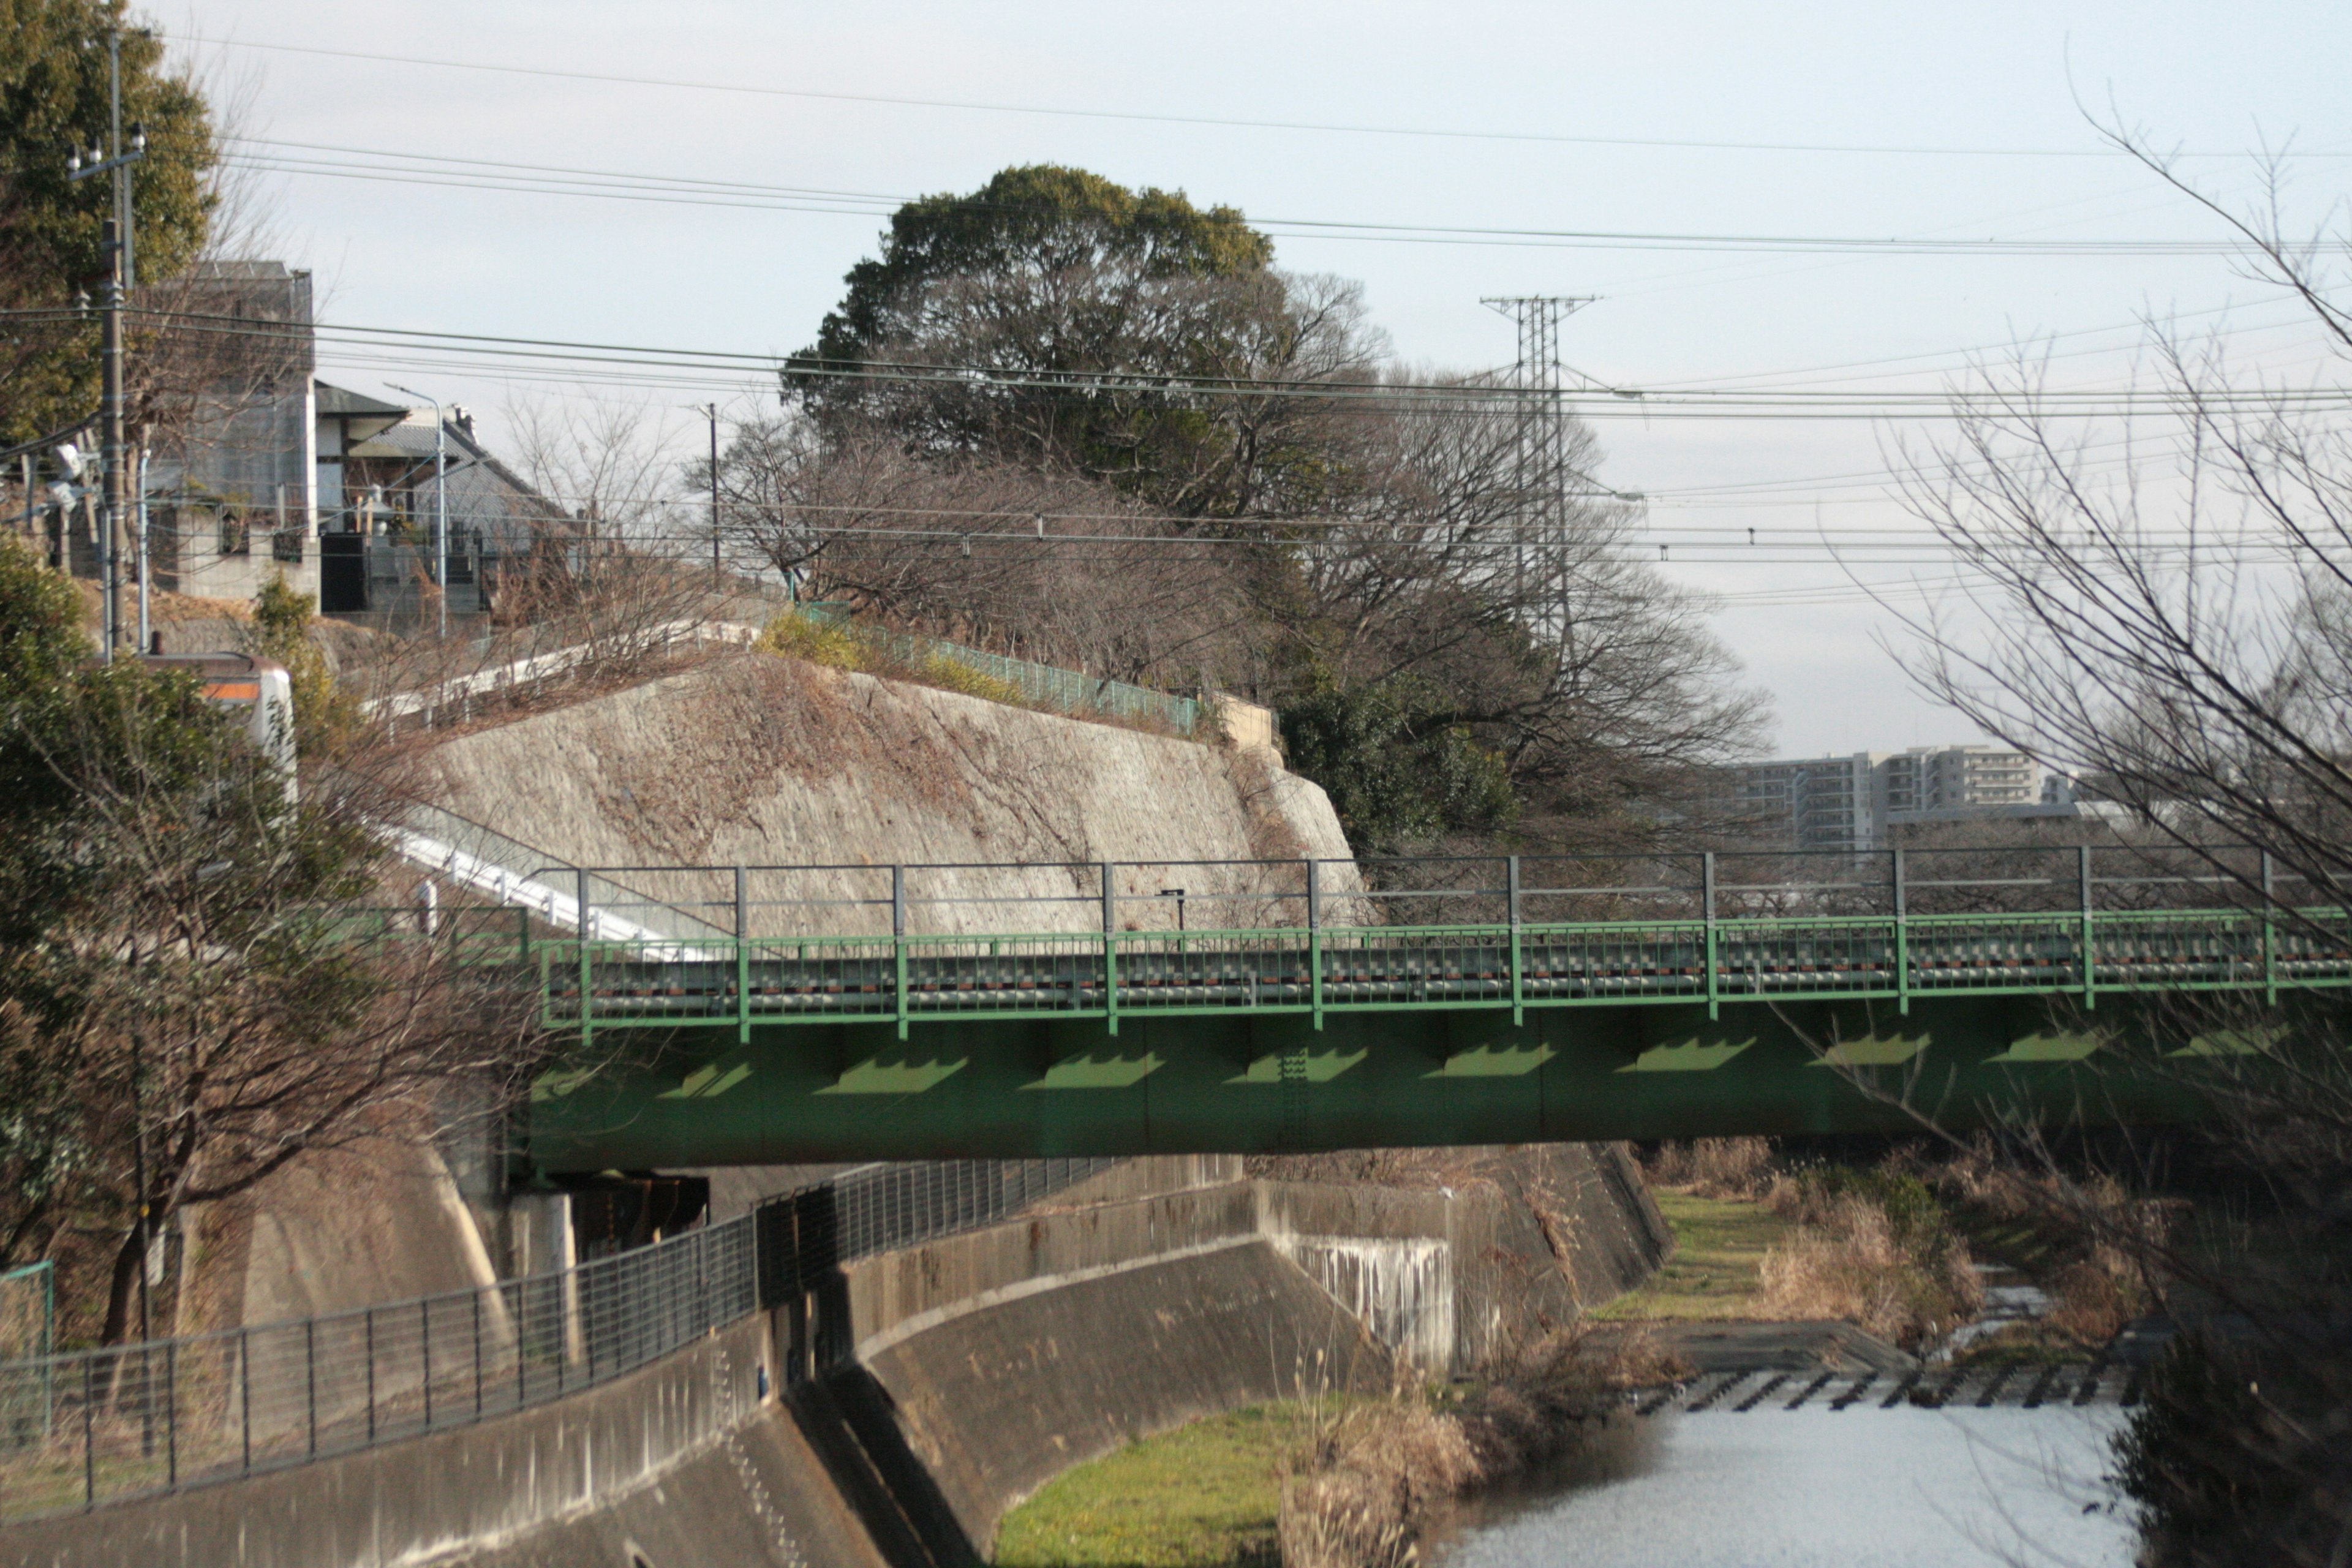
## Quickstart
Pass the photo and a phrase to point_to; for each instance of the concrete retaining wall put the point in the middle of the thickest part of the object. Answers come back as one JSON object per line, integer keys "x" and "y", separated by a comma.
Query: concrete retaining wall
{"x": 764, "y": 760}
{"x": 999, "y": 1358}
{"x": 438, "y": 1498}
{"x": 984, "y": 1364}
{"x": 996, "y": 1403}
{"x": 1504, "y": 1244}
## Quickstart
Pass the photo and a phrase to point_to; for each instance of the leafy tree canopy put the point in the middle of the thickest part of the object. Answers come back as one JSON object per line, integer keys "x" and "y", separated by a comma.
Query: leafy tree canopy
{"x": 1398, "y": 776}
{"x": 1041, "y": 218}
{"x": 1047, "y": 273}
{"x": 53, "y": 99}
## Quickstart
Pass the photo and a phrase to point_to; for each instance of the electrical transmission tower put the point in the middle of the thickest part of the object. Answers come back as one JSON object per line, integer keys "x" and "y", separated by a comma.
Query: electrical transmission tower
{"x": 1543, "y": 468}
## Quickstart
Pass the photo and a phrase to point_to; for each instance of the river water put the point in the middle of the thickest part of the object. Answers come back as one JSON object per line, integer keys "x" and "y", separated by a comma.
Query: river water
{"x": 1860, "y": 1487}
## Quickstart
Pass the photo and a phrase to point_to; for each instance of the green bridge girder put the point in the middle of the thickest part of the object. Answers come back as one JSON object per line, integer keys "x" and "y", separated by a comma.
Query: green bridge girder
{"x": 699, "y": 1052}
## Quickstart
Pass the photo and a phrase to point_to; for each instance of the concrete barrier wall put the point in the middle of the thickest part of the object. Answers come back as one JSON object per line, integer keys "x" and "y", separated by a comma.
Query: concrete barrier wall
{"x": 903, "y": 1293}
{"x": 996, "y": 1403}
{"x": 984, "y": 1365}
{"x": 439, "y": 1496}
{"x": 1004, "y": 1356}
{"x": 1532, "y": 1236}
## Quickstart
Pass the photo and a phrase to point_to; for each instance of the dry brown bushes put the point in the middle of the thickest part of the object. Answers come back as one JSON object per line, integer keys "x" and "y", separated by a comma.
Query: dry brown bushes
{"x": 1374, "y": 1470}
{"x": 1716, "y": 1167}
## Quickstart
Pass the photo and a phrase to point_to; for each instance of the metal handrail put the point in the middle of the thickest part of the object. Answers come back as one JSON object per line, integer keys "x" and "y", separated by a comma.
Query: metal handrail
{"x": 87, "y": 1429}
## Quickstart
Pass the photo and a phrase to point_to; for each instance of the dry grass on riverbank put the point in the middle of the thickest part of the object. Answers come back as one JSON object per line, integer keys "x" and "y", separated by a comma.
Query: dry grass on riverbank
{"x": 1890, "y": 1248}
{"x": 1341, "y": 1482}
{"x": 1760, "y": 1239}
{"x": 1365, "y": 1487}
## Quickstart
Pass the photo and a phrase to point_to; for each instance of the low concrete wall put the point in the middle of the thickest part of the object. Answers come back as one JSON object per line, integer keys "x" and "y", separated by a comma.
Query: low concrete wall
{"x": 996, "y": 1403}
{"x": 437, "y": 1498}
{"x": 1512, "y": 1243}
{"x": 984, "y": 1364}
{"x": 999, "y": 1358}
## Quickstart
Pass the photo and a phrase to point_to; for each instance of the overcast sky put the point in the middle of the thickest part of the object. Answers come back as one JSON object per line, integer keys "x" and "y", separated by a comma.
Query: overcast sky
{"x": 1999, "y": 82}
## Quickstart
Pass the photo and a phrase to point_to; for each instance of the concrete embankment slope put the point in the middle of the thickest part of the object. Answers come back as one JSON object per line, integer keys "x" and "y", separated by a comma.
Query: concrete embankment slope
{"x": 759, "y": 760}
{"x": 680, "y": 1463}
{"x": 1000, "y": 1358}
{"x": 912, "y": 1399}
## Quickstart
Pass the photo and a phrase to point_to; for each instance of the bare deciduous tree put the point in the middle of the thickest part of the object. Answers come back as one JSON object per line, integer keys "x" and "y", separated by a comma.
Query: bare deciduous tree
{"x": 2173, "y": 629}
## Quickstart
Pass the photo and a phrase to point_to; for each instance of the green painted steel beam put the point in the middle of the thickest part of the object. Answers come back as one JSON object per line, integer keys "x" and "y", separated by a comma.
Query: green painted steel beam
{"x": 1245, "y": 1083}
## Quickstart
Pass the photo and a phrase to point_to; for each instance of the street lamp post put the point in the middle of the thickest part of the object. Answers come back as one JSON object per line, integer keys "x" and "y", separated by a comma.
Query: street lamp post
{"x": 440, "y": 501}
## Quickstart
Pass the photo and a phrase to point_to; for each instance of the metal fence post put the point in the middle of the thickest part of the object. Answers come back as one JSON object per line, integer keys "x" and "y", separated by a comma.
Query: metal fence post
{"x": 898, "y": 941}
{"x": 742, "y": 955}
{"x": 88, "y": 1437}
{"x": 2083, "y": 875}
{"x": 1108, "y": 872}
{"x": 311, "y": 1378}
{"x": 2270, "y": 932}
{"x": 1518, "y": 992}
{"x": 370, "y": 1317}
{"x": 478, "y": 1354}
{"x": 1706, "y": 912}
{"x": 245, "y": 1391}
{"x": 579, "y": 909}
{"x": 1902, "y": 937}
{"x": 424, "y": 1353}
{"x": 172, "y": 1414}
{"x": 1315, "y": 938}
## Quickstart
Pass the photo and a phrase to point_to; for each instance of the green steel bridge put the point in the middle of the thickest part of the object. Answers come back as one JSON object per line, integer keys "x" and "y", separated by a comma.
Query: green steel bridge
{"x": 769, "y": 1014}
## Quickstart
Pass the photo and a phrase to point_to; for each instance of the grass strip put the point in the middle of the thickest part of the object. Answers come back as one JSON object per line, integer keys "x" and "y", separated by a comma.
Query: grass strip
{"x": 1205, "y": 1495}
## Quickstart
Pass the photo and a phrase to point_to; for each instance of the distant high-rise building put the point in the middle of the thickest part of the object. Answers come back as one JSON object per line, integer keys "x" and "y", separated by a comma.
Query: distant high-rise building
{"x": 1852, "y": 802}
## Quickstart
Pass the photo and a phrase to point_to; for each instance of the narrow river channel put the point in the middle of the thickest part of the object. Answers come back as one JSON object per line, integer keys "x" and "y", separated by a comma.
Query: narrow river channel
{"x": 1864, "y": 1488}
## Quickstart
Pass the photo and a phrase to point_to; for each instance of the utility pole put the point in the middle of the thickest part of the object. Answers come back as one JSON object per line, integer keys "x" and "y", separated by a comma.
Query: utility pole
{"x": 716, "y": 569}
{"x": 440, "y": 501}
{"x": 115, "y": 245}
{"x": 1543, "y": 467}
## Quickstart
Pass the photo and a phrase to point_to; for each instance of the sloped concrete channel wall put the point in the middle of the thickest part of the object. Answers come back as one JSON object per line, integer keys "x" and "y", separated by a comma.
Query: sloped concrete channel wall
{"x": 916, "y": 1397}
{"x": 1008, "y": 1354}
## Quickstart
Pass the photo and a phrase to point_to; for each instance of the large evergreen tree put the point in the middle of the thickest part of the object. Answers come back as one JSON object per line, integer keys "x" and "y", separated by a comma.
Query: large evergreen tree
{"x": 53, "y": 101}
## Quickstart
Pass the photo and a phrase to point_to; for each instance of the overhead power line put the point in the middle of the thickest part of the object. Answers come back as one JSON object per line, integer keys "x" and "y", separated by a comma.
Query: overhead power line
{"x": 490, "y": 175}
{"x": 1602, "y": 402}
{"x": 1341, "y": 127}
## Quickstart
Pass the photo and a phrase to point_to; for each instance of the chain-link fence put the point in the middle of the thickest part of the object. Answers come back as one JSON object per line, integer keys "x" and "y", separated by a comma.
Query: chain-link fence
{"x": 100, "y": 1426}
{"x": 1040, "y": 685}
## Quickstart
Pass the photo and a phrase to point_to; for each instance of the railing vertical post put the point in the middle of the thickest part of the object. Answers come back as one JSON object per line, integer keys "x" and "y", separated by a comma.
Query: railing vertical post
{"x": 1108, "y": 872}
{"x": 1315, "y": 939}
{"x": 1707, "y": 914}
{"x": 1511, "y": 895}
{"x": 310, "y": 1379}
{"x": 898, "y": 941}
{"x": 245, "y": 1393}
{"x": 88, "y": 1435}
{"x": 2083, "y": 880}
{"x": 424, "y": 1353}
{"x": 370, "y": 1327}
{"x": 742, "y": 956}
{"x": 172, "y": 1414}
{"x": 2270, "y": 932}
{"x": 478, "y": 1354}
{"x": 1902, "y": 936}
{"x": 580, "y": 910}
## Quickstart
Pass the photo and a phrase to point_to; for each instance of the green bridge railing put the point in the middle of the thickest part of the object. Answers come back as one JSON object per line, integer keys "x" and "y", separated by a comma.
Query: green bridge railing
{"x": 828, "y": 944}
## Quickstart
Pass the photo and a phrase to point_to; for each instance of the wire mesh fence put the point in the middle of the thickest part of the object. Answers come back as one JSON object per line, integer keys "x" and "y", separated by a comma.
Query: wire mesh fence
{"x": 1040, "y": 685}
{"x": 93, "y": 1427}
